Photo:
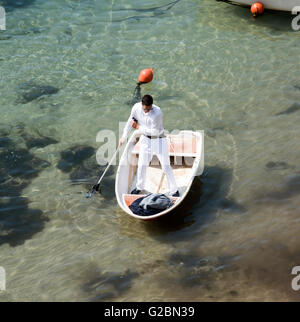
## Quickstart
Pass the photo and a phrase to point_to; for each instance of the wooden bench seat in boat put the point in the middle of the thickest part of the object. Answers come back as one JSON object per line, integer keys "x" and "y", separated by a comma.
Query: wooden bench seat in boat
{"x": 177, "y": 147}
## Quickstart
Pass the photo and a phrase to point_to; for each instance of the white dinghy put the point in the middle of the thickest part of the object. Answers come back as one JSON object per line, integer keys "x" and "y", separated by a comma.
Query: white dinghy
{"x": 186, "y": 157}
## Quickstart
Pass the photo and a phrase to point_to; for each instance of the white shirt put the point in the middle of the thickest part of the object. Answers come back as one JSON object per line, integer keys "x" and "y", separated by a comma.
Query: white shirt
{"x": 150, "y": 124}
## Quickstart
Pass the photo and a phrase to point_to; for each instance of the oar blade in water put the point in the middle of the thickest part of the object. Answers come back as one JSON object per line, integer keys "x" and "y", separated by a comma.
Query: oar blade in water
{"x": 95, "y": 189}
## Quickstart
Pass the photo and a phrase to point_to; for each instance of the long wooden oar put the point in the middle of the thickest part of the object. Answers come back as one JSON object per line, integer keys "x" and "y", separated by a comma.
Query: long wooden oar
{"x": 96, "y": 187}
{"x": 160, "y": 182}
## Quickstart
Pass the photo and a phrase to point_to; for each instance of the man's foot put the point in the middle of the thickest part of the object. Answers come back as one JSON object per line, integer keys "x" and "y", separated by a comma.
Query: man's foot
{"x": 176, "y": 194}
{"x": 135, "y": 191}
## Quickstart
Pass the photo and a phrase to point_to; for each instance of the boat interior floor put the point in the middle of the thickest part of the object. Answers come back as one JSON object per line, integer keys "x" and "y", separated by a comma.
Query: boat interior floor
{"x": 156, "y": 181}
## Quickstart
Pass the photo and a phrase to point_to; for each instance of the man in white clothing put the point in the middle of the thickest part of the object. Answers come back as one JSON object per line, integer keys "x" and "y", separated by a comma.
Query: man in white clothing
{"x": 148, "y": 119}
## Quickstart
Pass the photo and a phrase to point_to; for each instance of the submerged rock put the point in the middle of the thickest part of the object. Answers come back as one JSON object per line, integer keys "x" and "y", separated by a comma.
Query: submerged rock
{"x": 14, "y": 4}
{"x": 18, "y": 222}
{"x": 233, "y": 293}
{"x": 68, "y": 31}
{"x": 74, "y": 156}
{"x": 31, "y": 92}
{"x": 231, "y": 205}
{"x": 4, "y": 142}
{"x": 38, "y": 142}
{"x": 294, "y": 108}
{"x": 5, "y": 129}
{"x": 101, "y": 286}
{"x": 288, "y": 190}
{"x": 193, "y": 270}
{"x": 21, "y": 163}
{"x": 5, "y": 37}
{"x": 85, "y": 172}
{"x": 278, "y": 165}
{"x": 81, "y": 164}
{"x": 32, "y": 136}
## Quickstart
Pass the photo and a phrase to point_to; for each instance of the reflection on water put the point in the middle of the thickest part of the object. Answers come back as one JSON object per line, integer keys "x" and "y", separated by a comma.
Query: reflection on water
{"x": 68, "y": 70}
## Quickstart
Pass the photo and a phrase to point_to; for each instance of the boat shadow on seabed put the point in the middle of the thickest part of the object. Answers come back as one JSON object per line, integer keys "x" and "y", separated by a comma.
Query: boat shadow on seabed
{"x": 208, "y": 195}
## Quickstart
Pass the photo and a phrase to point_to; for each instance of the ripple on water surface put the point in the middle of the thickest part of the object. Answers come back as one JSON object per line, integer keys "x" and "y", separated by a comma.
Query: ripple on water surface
{"x": 68, "y": 70}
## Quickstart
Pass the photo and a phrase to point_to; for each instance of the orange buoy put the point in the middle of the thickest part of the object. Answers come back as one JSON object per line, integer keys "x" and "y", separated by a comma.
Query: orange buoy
{"x": 257, "y": 9}
{"x": 146, "y": 75}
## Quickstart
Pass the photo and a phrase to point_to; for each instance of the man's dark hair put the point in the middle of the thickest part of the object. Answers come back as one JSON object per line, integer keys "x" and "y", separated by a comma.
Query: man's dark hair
{"x": 147, "y": 100}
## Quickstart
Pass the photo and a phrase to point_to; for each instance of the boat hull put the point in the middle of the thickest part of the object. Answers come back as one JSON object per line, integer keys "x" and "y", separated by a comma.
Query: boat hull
{"x": 186, "y": 155}
{"x": 281, "y": 5}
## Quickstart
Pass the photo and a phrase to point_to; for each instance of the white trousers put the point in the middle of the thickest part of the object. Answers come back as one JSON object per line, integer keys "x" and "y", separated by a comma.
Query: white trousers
{"x": 159, "y": 147}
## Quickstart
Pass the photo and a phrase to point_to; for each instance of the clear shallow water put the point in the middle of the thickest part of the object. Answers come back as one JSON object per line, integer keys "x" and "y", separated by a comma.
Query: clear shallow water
{"x": 216, "y": 69}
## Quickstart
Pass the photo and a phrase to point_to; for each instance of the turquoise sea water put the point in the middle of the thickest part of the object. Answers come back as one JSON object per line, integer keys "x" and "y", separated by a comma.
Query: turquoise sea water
{"x": 216, "y": 70}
